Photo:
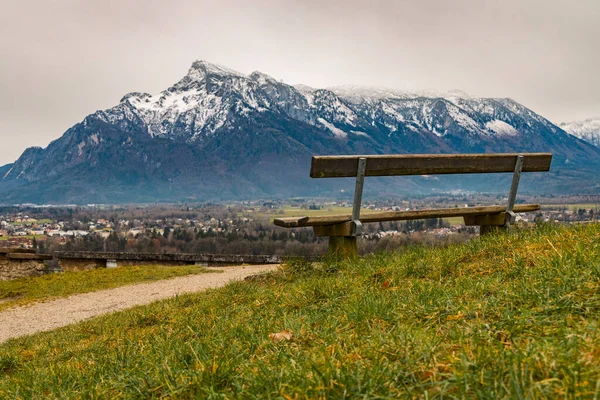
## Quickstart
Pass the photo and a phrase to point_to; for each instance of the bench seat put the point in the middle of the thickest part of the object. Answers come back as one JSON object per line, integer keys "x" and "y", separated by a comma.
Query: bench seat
{"x": 381, "y": 216}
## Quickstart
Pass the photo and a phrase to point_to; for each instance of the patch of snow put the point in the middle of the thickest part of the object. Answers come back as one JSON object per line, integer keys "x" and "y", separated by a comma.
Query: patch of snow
{"x": 501, "y": 128}
{"x": 307, "y": 92}
{"x": 329, "y": 104}
{"x": 463, "y": 119}
{"x": 8, "y": 173}
{"x": 180, "y": 102}
{"x": 304, "y": 89}
{"x": 588, "y": 130}
{"x": 336, "y": 131}
{"x": 359, "y": 133}
{"x": 389, "y": 109}
{"x": 200, "y": 69}
{"x": 262, "y": 78}
{"x": 94, "y": 139}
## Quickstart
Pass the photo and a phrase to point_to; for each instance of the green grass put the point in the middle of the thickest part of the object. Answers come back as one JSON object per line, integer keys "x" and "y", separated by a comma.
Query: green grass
{"x": 455, "y": 220}
{"x": 508, "y": 316}
{"x": 30, "y": 290}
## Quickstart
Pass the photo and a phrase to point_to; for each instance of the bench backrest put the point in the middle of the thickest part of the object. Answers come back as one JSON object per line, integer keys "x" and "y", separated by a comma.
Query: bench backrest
{"x": 427, "y": 164}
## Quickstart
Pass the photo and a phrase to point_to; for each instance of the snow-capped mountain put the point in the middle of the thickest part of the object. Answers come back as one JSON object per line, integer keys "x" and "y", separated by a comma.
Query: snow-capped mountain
{"x": 219, "y": 134}
{"x": 588, "y": 130}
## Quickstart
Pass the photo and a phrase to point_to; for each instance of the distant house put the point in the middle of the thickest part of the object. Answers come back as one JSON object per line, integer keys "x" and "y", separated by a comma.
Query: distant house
{"x": 134, "y": 232}
{"x": 103, "y": 234}
{"x": 77, "y": 233}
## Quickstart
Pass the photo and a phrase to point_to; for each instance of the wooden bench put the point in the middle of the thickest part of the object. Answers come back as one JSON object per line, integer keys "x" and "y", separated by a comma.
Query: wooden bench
{"x": 343, "y": 229}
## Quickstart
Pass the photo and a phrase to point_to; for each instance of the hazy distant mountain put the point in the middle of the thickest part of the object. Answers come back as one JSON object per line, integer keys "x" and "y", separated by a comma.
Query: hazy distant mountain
{"x": 588, "y": 130}
{"x": 219, "y": 134}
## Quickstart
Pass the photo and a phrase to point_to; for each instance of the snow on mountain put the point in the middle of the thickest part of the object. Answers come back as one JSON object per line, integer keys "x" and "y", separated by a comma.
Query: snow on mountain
{"x": 211, "y": 98}
{"x": 336, "y": 131}
{"x": 501, "y": 128}
{"x": 229, "y": 133}
{"x": 358, "y": 94}
{"x": 588, "y": 130}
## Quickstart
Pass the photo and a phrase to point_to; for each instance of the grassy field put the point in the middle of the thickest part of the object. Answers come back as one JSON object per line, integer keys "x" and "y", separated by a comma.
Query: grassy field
{"x": 573, "y": 207}
{"x": 6, "y": 238}
{"x": 298, "y": 212}
{"x": 455, "y": 220}
{"x": 508, "y": 316}
{"x": 31, "y": 290}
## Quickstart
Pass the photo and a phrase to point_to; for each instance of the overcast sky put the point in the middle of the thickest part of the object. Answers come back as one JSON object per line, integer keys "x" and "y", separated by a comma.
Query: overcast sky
{"x": 62, "y": 60}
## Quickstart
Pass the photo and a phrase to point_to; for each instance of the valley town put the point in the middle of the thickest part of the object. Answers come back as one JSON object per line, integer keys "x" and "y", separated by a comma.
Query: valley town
{"x": 247, "y": 228}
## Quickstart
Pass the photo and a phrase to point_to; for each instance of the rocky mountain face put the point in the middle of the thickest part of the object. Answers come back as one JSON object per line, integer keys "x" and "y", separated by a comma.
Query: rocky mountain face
{"x": 218, "y": 134}
{"x": 588, "y": 130}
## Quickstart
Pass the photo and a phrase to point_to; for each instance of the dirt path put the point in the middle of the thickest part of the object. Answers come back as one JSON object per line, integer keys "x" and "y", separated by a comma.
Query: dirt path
{"x": 54, "y": 314}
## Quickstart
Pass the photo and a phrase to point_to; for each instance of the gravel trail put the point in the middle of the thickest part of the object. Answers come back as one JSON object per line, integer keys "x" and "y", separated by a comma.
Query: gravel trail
{"x": 54, "y": 314}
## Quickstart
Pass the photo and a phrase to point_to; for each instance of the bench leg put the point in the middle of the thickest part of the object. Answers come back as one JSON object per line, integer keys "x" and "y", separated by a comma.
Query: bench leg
{"x": 487, "y": 229}
{"x": 343, "y": 247}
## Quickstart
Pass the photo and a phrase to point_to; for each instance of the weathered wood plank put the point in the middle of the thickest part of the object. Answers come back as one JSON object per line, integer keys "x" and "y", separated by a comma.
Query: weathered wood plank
{"x": 487, "y": 219}
{"x": 343, "y": 229}
{"x": 380, "y": 216}
{"x": 427, "y": 164}
{"x": 292, "y": 222}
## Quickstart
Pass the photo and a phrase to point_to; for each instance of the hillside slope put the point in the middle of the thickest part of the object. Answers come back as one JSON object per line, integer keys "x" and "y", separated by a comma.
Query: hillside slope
{"x": 507, "y": 316}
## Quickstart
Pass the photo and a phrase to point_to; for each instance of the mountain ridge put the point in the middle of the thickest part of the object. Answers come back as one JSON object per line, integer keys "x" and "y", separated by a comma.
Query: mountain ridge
{"x": 220, "y": 134}
{"x": 588, "y": 129}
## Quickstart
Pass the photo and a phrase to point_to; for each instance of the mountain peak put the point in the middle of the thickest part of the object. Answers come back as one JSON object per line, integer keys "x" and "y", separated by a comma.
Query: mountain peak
{"x": 136, "y": 95}
{"x": 220, "y": 134}
{"x": 201, "y": 69}
{"x": 304, "y": 89}
{"x": 262, "y": 78}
